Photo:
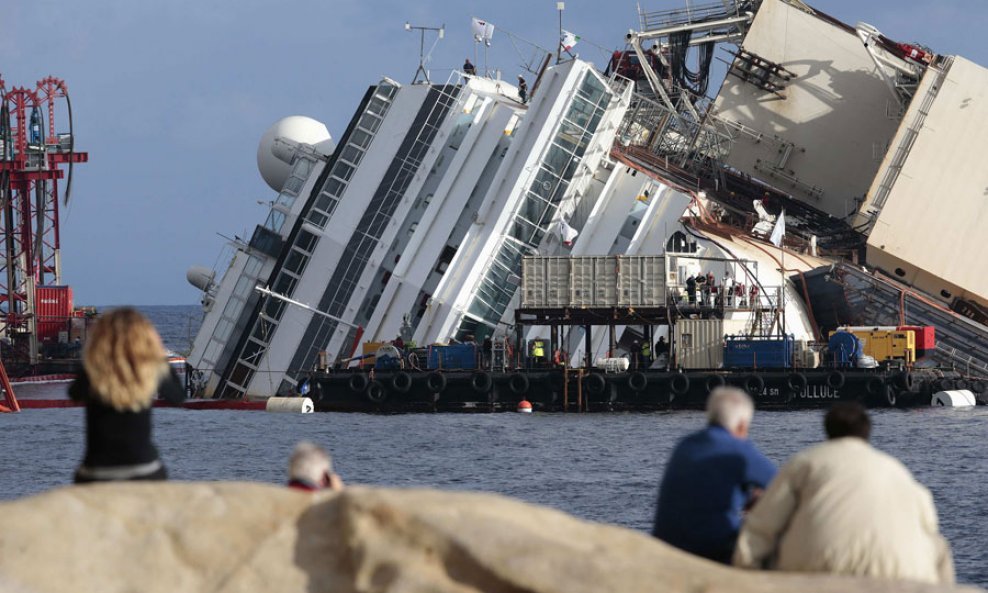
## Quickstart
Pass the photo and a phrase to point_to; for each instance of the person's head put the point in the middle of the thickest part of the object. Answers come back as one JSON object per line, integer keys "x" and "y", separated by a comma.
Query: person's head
{"x": 847, "y": 419}
{"x": 732, "y": 409}
{"x": 124, "y": 360}
{"x": 662, "y": 338}
{"x": 310, "y": 464}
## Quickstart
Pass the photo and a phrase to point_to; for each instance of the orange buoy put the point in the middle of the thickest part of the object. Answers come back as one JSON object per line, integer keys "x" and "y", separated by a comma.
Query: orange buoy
{"x": 525, "y": 406}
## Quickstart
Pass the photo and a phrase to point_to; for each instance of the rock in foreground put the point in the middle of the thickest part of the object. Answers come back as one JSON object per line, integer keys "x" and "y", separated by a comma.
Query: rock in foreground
{"x": 185, "y": 537}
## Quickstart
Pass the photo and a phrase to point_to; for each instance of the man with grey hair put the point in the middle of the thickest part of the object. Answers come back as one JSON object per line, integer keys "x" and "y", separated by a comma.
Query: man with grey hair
{"x": 311, "y": 468}
{"x": 712, "y": 476}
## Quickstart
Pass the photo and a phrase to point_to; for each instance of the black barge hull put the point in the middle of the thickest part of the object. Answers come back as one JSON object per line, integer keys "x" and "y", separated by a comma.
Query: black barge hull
{"x": 646, "y": 390}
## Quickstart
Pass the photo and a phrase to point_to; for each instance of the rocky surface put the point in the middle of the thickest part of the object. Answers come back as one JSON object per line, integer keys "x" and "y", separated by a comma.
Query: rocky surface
{"x": 185, "y": 537}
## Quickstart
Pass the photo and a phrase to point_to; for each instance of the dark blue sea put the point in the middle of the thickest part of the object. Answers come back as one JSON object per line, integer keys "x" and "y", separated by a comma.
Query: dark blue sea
{"x": 602, "y": 467}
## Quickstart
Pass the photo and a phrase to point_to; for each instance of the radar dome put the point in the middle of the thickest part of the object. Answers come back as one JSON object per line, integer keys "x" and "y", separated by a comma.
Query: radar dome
{"x": 296, "y": 129}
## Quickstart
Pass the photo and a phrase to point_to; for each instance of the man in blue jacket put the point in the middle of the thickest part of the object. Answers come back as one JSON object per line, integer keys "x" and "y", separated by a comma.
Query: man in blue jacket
{"x": 711, "y": 477}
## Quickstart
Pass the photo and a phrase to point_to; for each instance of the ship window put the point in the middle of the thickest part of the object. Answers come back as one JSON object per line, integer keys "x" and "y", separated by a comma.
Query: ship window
{"x": 334, "y": 187}
{"x": 252, "y": 352}
{"x": 900, "y": 272}
{"x": 253, "y": 266}
{"x": 244, "y": 286}
{"x": 360, "y": 138}
{"x": 294, "y": 184}
{"x": 275, "y": 220}
{"x": 317, "y": 218}
{"x": 273, "y": 309}
{"x": 386, "y": 90}
{"x": 264, "y": 329}
{"x": 945, "y": 294}
{"x": 285, "y": 285}
{"x": 370, "y": 122}
{"x": 296, "y": 262}
{"x": 377, "y": 106}
{"x": 306, "y": 241}
{"x": 286, "y": 197}
{"x": 352, "y": 154}
{"x": 223, "y": 329}
{"x": 241, "y": 374}
{"x": 343, "y": 171}
{"x": 302, "y": 168}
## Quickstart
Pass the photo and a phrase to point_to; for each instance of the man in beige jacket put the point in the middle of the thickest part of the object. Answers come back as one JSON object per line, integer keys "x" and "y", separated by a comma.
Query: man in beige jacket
{"x": 845, "y": 507}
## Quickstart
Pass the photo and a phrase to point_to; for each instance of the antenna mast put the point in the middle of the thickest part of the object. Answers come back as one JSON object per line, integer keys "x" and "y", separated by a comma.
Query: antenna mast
{"x": 424, "y": 57}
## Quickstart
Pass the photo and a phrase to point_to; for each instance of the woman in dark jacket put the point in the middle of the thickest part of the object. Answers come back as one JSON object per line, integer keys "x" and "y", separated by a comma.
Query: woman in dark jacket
{"x": 124, "y": 366}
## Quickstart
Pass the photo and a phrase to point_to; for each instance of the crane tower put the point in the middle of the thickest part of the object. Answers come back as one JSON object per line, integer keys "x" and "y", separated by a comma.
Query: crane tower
{"x": 35, "y": 307}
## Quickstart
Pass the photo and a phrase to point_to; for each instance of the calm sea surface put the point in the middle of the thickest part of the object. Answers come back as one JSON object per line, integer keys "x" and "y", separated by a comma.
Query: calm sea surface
{"x": 603, "y": 467}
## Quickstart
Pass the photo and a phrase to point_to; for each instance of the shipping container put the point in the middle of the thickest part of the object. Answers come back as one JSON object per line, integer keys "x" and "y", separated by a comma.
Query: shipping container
{"x": 454, "y": 356}
{"x": 641, "y": 281}
{"x": 54, "y": 312}
{"x": 545, "y": 282}
{"x": 758, "y": 353}
{"x": 593, "y": 281}
{"x": 699, "y": 343}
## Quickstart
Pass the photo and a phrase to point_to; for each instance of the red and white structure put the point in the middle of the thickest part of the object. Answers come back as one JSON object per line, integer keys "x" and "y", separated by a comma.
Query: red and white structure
{"x": 34, "y": 305}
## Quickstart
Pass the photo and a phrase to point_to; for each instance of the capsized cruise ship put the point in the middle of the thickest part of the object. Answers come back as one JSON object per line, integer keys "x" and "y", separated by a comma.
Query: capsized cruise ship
{"x": 416, "y": 219}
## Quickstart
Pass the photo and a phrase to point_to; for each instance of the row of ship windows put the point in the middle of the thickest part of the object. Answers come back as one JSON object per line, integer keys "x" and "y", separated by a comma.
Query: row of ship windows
{"x": 305, "y": 243}
{"x": 541, "y": 200}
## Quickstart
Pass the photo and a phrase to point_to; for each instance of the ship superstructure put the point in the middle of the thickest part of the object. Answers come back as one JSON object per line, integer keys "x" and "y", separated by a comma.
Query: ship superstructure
{"x": 416, "y": 221}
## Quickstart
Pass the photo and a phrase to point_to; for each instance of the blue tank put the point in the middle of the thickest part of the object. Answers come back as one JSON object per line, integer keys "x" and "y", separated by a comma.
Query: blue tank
{"x": 844, "y": 348}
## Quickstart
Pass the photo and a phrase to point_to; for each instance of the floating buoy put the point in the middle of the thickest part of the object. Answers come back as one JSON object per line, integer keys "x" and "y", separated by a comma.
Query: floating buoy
{"x": 525, "y": 406}
{"x": 959, "y": 398}
{"x": 291, "y": 405}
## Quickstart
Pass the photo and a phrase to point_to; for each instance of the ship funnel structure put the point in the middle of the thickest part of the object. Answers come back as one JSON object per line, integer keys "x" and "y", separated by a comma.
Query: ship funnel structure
{"x": 279, "y": 144}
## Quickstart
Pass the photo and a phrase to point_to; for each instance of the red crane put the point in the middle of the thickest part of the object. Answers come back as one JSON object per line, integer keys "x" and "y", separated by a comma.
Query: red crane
{"x": 34, "y": 305}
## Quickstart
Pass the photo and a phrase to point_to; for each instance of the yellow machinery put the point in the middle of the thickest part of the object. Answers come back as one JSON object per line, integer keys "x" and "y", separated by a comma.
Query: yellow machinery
{"x": 885, "y": 344}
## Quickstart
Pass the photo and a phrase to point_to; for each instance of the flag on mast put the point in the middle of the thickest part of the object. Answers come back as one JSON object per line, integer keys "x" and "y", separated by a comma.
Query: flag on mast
{"x": 779, "y": 230}
{"x": 483, "y": 31}
{"x": 568, "y": 40}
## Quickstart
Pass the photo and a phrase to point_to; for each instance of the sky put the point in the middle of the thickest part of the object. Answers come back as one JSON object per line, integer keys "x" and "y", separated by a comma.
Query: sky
{"x": 171, "y": 98}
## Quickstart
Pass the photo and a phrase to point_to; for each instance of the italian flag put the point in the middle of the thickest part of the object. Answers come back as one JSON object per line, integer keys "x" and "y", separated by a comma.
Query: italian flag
{"x": 568, "y": 40}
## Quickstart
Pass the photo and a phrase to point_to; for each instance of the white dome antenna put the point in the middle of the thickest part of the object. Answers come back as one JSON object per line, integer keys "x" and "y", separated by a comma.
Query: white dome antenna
{"x": 276, "y": 150}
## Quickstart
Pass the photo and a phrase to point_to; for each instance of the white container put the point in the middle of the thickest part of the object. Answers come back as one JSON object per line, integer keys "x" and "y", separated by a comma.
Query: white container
{"x": 961, "y": 398}
{"x": 594, "y": 281}
{"x": 641, "y": 281}
{"x": 290, "y": 405}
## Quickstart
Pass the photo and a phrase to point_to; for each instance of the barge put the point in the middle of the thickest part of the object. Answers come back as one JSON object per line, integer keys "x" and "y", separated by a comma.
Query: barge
{"x": 567, "y": 390}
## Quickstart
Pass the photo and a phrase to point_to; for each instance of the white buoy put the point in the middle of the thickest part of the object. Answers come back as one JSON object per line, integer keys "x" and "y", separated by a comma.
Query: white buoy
{"x": 290, "y": 405}
{"x": 960, "y": 398}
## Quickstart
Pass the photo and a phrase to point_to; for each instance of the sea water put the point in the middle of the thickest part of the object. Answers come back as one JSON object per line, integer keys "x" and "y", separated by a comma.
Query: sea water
{"x": 601, "y": 467}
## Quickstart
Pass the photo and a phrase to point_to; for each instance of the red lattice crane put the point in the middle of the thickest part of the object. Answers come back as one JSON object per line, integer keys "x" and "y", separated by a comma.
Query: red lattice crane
{"x": 34, "y": 305}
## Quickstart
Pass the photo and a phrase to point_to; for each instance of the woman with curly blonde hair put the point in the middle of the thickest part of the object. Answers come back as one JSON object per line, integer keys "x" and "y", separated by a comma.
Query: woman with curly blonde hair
{"x": 124, "y": 367}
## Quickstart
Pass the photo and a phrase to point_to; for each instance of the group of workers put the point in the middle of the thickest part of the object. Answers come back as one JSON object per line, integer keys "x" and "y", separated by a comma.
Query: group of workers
{"x": 642, "y": 355}
{"x": 703, "y": 289}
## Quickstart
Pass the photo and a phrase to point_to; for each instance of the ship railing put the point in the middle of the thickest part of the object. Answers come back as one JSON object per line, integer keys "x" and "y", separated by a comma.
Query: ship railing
{"x": 688, "y": 15}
